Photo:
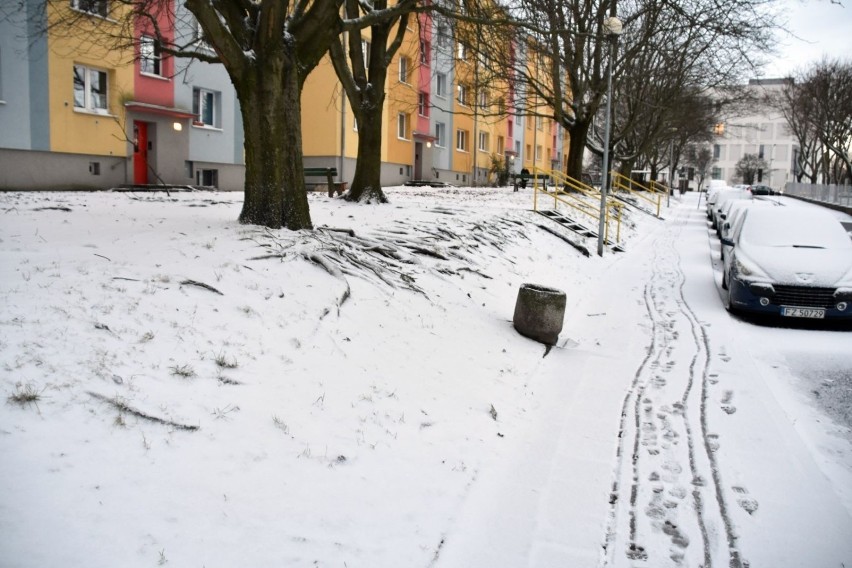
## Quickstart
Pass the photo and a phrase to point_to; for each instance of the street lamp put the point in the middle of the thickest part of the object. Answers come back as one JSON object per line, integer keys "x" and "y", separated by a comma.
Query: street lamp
{"x": 611, "y": 29}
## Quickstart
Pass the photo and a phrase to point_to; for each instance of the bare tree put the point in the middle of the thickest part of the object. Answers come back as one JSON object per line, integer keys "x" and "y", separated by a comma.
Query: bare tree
{"x": 797, "y": 109}
{"x": 700, "y": 158}
{"x": 817, "y": 106}
{"x": 363, "y": 74}
{"x": 749, "y": 167}
{"x": 668, "y": 47}
{"x": 829, "y": 85}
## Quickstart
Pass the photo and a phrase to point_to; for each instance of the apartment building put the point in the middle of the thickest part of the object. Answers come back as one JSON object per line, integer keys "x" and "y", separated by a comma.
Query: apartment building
{"x": 84, "y": 114}
{"x": 764, "y": 133}
{"x": 77, "y": 113}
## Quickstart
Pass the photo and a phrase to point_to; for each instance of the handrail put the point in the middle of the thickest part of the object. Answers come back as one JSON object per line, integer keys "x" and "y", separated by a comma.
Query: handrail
{"x": 574, "y": 202}
{"x": 624, "y": 183}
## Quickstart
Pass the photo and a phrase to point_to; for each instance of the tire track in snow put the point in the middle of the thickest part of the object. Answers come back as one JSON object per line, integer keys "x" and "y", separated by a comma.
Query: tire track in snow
{"x": 653, "y": 474}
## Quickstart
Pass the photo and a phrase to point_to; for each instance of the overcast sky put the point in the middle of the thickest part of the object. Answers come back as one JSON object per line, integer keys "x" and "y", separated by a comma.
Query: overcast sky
{"x": 825, "y": 28}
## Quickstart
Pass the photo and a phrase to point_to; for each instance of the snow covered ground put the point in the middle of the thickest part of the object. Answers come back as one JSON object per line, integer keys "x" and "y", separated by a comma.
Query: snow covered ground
{"x": 180, "y": 389}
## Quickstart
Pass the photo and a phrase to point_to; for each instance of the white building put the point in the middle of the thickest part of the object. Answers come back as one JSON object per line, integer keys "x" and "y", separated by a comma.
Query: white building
{"x": 764, "y": 133}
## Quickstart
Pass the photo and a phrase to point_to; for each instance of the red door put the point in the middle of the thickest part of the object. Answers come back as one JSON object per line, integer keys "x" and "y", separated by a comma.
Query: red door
{"x": 140, "y": 152}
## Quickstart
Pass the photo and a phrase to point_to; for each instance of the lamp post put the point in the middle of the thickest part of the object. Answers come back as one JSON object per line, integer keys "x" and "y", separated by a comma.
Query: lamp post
{"x": 611, "y": 29}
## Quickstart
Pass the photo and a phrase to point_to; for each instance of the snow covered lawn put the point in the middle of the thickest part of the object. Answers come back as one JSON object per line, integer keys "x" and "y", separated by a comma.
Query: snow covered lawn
{"x": 179, "y": 389}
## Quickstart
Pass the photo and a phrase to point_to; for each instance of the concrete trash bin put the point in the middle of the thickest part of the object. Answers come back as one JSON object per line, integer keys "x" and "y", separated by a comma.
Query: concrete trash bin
{"x": 539, "y": 312}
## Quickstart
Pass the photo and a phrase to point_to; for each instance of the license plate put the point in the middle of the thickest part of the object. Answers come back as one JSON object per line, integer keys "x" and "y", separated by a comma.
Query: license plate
{"x": 793, "y": 312}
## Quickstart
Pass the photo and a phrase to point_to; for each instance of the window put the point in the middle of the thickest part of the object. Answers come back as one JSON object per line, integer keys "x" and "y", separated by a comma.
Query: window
{"x": 403, "y": 70}
{"x": 441, "y": 85}
{"x": 539, "y": 123}
{"x": 90, "y": 89}
{"x": 484, "y": 142}
{"x": 204, "y": 107}
{"x": 511, "y": 129}
{"x": 198, "y": 36}
{"x": 425, "y": 51}
{"x": 402, "y": 126}
{"x": 440, "y": 134}
{"x": 538, "y": 153}
{"x": 461, "y": 140}
{"x": 442, "y": 34}
{"x": 461, "y": 53}
{"x": 96, "y": 7}
{"x": 761, "y": 152}
{"x": 716, "y": 173}
{"x": 528, "y": 155}
{"x": 150, "y": 59}
{"x": 207, "y": 178}
{"x": 717, "y": 151}
{"x": 501, "y": 145}
{"x": 462, "y": 95}
{"x": 423, "y": 104}
{"x": 483, "y": 99}
{"x": 95, "y": 168}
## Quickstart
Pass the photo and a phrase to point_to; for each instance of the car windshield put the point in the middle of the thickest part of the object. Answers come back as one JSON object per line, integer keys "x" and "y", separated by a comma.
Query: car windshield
{"x": 793, "y": 227}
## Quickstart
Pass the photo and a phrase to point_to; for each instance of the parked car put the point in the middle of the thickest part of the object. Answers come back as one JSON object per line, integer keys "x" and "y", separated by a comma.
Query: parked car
{"x": 721, "y": 199}
{"x": 735, "y": 215}
{"x": 789, "y": 261}
{"x": 760, "y": 190}
{"x": 712, "y": 196}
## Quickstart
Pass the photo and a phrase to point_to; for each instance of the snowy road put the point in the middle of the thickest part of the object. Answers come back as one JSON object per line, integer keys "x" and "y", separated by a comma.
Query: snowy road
{"x": 687, "y": 437}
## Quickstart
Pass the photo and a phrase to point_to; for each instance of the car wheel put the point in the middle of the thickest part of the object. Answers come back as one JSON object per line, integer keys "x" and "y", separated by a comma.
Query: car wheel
{"x": 724, "y": 281}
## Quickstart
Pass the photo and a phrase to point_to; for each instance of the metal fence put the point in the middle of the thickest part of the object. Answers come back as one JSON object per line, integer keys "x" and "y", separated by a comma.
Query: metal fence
{"x": 837, "y": 194}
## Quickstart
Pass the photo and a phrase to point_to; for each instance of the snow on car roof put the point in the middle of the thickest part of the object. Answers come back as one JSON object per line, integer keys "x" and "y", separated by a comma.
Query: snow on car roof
{"x": 794, "y": 227}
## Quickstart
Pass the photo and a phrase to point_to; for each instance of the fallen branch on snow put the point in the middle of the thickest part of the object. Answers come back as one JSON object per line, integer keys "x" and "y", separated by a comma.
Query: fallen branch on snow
{"x": 201, "y": 285}
{"x": 119, "y": 404}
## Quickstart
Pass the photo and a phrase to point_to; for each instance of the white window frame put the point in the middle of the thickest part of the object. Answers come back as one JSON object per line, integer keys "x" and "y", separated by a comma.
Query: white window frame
{"x": 402, "y": 126}
{"x": 461, "y": 51}
{"x": 461, "y": 140}
{"x": 91, "y": 101}
{"x": 440, "y": 135}
{"x": 483, "y": 100}
{"x": 198, "y": 109}
{"x": 484, "y": 141}
{"x": 403, "y": 69}
{"x": 462, "y": 95}
{"x": 150, "y": 55}
{"x": 423, "y": 103}
{"x": 98, "y": 8}
{"x": 441, "y": 85}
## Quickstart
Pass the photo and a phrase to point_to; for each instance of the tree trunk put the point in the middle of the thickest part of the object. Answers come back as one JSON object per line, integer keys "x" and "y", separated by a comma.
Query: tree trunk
{"x": 578, "y": 132}
{"x": 275, "y": 195}
{"x": 367, "y": 183}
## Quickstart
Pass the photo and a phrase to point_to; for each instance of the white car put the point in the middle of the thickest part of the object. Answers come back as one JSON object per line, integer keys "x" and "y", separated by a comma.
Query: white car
{"x": 789, "y": 261}
{"x": 720, "y": 201}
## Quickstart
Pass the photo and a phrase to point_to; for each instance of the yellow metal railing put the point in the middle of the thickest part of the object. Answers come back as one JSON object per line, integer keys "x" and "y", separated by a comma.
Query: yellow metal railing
{"x": 645, "y": 192}
{"x": 582, "y": 202}
{"x": 660, "y": 187}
